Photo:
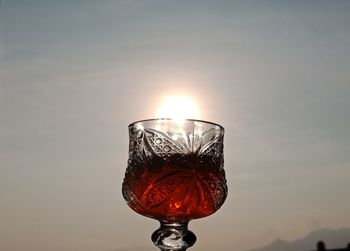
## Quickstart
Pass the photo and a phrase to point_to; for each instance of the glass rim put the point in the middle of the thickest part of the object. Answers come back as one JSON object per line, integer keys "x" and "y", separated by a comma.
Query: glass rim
{"x": 170, "y": 119}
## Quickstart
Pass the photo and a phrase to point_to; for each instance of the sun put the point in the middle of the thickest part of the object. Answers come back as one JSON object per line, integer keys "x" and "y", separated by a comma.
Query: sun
{"x": 178, "y": 107}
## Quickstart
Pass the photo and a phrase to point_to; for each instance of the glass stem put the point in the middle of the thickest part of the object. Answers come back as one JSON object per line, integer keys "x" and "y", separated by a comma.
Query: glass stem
{"x": 173, "y": 236}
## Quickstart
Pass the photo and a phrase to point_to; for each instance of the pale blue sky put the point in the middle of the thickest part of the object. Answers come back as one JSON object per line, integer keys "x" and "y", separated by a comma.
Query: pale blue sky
{"x": 74, "y": 74}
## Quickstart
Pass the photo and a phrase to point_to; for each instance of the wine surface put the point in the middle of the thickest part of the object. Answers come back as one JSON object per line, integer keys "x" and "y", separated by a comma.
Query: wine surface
{"x": 183, "y": 187}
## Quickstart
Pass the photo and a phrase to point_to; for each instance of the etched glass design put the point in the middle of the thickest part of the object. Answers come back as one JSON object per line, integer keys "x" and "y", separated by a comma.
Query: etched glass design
{"x": 175, "y": 174}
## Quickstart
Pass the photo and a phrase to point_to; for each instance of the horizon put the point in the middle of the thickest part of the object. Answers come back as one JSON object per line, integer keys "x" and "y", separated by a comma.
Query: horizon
{"x": 75, "y": 74}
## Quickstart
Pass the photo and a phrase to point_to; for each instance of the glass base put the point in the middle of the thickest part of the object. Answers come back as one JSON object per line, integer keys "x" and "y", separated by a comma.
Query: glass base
{"x": 173, "y": 236}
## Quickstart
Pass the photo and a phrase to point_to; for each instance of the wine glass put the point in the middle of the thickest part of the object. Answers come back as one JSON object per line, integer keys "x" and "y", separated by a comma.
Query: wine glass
{"x": 175, "y": 174}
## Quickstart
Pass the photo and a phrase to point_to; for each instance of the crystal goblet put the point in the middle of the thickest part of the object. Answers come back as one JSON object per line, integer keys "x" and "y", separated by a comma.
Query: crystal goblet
{"x": 175, "y": 174}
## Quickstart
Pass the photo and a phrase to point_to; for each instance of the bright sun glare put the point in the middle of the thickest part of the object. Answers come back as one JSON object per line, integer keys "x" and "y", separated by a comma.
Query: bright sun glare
{"x": 178, "y": 107}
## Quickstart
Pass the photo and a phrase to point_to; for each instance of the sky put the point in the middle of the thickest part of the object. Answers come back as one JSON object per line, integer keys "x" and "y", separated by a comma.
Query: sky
{"x": 74, "y": 74}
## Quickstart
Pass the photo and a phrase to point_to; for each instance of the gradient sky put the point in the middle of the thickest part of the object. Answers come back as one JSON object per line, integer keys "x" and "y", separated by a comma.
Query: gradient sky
{"x": 74, "y": 74}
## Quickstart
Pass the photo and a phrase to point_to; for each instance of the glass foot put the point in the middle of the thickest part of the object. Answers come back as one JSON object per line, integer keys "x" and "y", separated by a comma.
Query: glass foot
{"x": 173, "y": 236}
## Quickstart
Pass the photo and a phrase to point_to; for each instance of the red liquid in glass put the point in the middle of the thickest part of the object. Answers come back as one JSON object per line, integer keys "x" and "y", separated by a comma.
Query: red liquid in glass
{"x": 181, "y": 188}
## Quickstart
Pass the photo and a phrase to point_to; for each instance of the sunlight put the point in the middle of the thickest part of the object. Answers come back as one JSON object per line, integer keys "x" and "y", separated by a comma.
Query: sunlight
{"x": 178, "y": 107}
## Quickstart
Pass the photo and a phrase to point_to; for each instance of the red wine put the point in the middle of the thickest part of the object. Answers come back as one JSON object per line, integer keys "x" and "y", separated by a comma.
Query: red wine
{"x": 182, "y": 187}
